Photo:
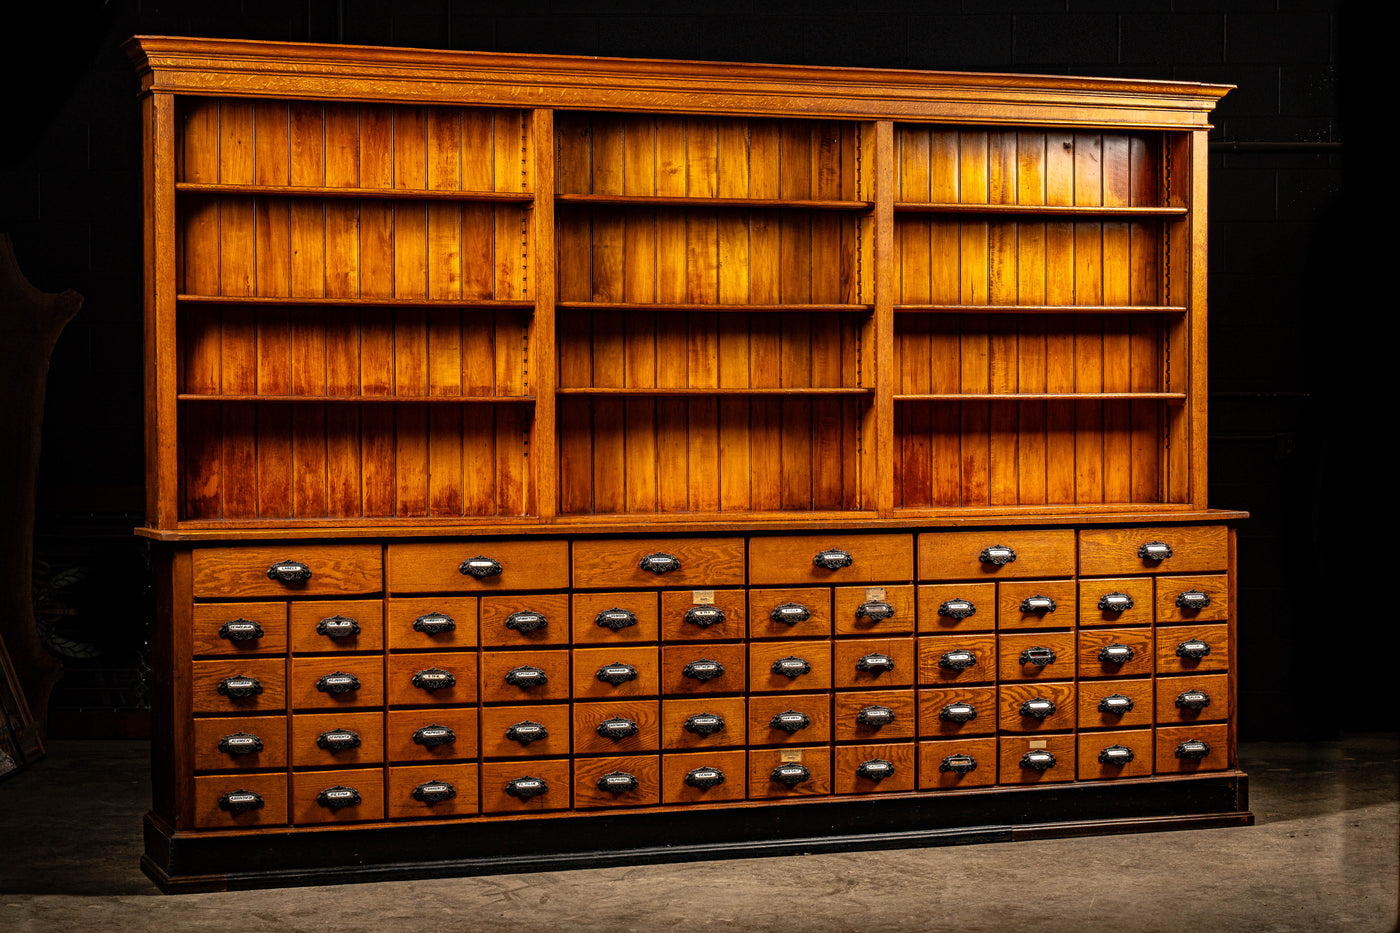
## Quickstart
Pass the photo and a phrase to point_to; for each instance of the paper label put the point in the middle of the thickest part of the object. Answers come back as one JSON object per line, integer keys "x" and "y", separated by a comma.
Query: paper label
{"x": 1037, "y": 743}
{"x": 790, "y": 756}
{"x": 702, "y": 597}
{"x": 874, "y": 594}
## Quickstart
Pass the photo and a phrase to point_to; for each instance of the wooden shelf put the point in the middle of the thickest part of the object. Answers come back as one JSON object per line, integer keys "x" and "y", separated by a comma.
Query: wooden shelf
{"x": 647, "y": 200}
{"x": 1039, "y": 309}
{"x": 790, "y": 392}
{"x": 1046, "y": 397}
{"x": 484, "y": 303}
{"x": 391, "y": 194}
{"x": 360, "y": 399}
{"x": 1069, "y": 211}
{"x": 710, "y": 306}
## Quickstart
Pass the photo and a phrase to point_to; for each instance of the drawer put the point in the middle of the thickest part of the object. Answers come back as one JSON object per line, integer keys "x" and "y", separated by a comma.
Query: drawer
{"x": 1102, "y": 756}
{"x": 431, "y": 624}
{"x": 957, "y": 659}
{"x": 531, "y": 619}
{"x": 704, "y": 777}
{"x": 948, "y": 764}
{"x": 431, "y": 791}
{"x": 248, "y": 685}
{"x": 614, "y": 618}
{"x": 622, "y": 781}
{"x": 1115, "y": 652}
{"x": 1184, "y": 700}
{"x": 348, "y": 796}
{"x": 525, "y": 676}
{"x": 1194, "y": 549}
{"x": 943, "y": 711}
{"x": 978, "y": 555}
{"x": 873, "y": 662}
{"x": 538, "y": 731}
{"x": 690, "y": 615}
{"x": 526, "y": 786}
{"x": 1024, "y": 759}
{"x": 795, "y": 719}
{"x": 874, "y": 769}
{"x": 1177, "y": 751}
{"x": 874, "y": 715}
{"x": 443, "y": 679}
{"x": 326, "y": 570}
{"x": 1036, "y": 604}
{"x": 844, "y": 558}
{"x": 245, "y": 743}
{"x": 674, "y": 562}
{"x": 600, "y": 728}
{"x": 431, "y": 734}
{"x": 610, "y": 673}
{"x": 452, "y": 566}
{"x": 707, "y": 669}
{"x": 1183, "y": 600}
{"x": 1120, "y": 601}
{"x": 1178, "y": 645}
{"x": 1040, "y": 656}
{"x": 336, "y": 683}
{"x": 957, "y": 607}
{"x": 791, "y": 612}
{"x": 1115, "y": 704}
{"x": 335, "y": 627}
{"x": 711, "y": 722}
{"x": 795, "y": 666}
{"x": 1023, "y": 707}
{"x": 239, "y": 629}
{"x": 240, "y": 801}
{"x": 789, "y": 772}
{"x": 874, "y": 610}
{"x": 337, "y": 740}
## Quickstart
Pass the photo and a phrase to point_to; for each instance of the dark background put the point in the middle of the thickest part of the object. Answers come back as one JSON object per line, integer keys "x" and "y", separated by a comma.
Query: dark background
{"x": 1284, "y": 366}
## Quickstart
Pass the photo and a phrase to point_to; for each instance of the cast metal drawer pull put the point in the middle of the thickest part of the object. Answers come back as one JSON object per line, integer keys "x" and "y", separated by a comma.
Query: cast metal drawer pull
{"x": 337, "y": 740}
{"x": 1038, "y": 760}
{"x": 959, "y": 660}
{"x": 240, "y": 687}
{"x": 875, "y": 716}
{"x": 660, "y": 563}
{"x": 616, "y": 618}
{"x": 1038, "y": 707}
{"x": 703, "y": 669}
{"x": 704, "y": 778}
{"x": 1115, "y": 654}
{"x": 1193, "y": 750}
{"x": 957, "y": 609}
{"x": 433, "y": 792}
{"x": 337, "y": 683}
{"x": 998, "y": 555}
{"x": 338, "y": 797}
{"x": 1039, "y": 656}
{"x": 1116, "y": 755}
{"x": 289, "y": 572}
{"x": 337, "y": 627}
{"x": 616, "y": 674}
{"x": 875, "y": 662}
{"x": 876, "y": 611}
{"x": 480, "y": 567}
{"x": 434, "y": 623}
{"x": 1195, "y": 648}
{"x": 791, "y": 667}
{"x": 527, "y": 732}
{"x": 1038, "y": 604}
{"x": 790, "y": 613}
{"x": 704, "y": 724}
{"x": 790, "y": 721}
{"x": 1193, "y": 599}
{"x": 1115, "y": 602}
{"x": 1155, "y": 551}
{"x": 523, "y": 788}
{"x": 704, "y": 616}
{"x": 618, "y": 782}
{"x": 240, "y": 743}
{"x": 791, "y": 775}
{"x": 958, "y": 764}
{"x": 1193, "y": 700}
{"x": 526, "y": 677}
{"x": 958, "y": 712}
{"x": 240, "y": 801}
{"x": 1116, "y": 705}
{"x": 876, "y": 769}
{"x": 433, "y": 735}
{"x": 526, "y": 621}
{"x": 236, "y": 630}
{"x": 617, "y": 728}
{"x": 833, "y": 559}
{"x": 434, "y": 679}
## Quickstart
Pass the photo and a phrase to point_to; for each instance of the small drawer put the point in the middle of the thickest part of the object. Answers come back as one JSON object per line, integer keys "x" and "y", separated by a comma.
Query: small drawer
{"x": 980, "y": 555}
{"x": 610, "y": 673}
{"x": 1036, "y": 707}
{"x": 239, "y": 629}
{"x": 657, "y": 562}
{"x": 431, "y": 734}
{"x": 874, "y": 610}
{"x": 1187, "y": 749}
{"x": 711, "y": 722}
{"x": 957, "y": 659}
{"x": 874, "y": 769}
{"x": 614, "y": 618}
{"x": 1193, "y": 649}
{"x": 957, "y": 607}
{"x": 1105, "y": 755}
{"x": 431, "y": 624}
{"x": 1166, "y": 549}
{"x": 830, "y": 558}
{"x": 623, "y": 781}
{"x": 793, "y": 612}
{"x": 1040, "y": 759}
{"x": 1115, "y": 704}
{"x": 1036, "y": 604}
{"x": 538, "y": 731}
{"x": 478, "y": 565}
{"x": 702, "y": 615}
{"x": 1185, "y": 600}
{"x": 444, "y": 679}
{"x": 795, "y": 666}
{"x": 525, "y": 676}
{"x": 874, "y": 715}
{"x": 240, "y": 801}
{"x": 616, "y": 727}
{"x": 337, "y": 796}
{"x": 1120, "y": 601}
{"x": 704, "y": 777}
{"x": 291, "y": 569}
{"x": 1115, "y": 652}
{"x": 247, "y": 685}
{"x": 336, "y": 683}
{"x": 337, "y": 740}
{"x": 794, "y": 719}
{"x": 1184, "y": 700}
{"x": 789, "y": 772}
{"x": 707, "y": 669}
{"x": 526, "y": 786}
{"x": 524, "y": 620}
{"x": 874, "y": 662}
{"x": 947, "y": 764}
{"x": 432, "y": 791}
{"x": 1040, "y": 656}
{"x": 245, "y": 743}
{"x": 950, "y": 711}
{"x": 336, "y": 627}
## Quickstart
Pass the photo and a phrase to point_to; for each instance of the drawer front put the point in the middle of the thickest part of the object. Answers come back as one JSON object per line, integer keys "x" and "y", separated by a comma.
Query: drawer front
{"x": 688, "y": 615}
{"x": 1115, "y": 704}
{"x": 1173, "y": 758}
{"x": 957, "y": 607}
{"x": 1176, "y": 645}
{"x": 874, "y": 662}
{"x": 771, "y": 662}
{"x": 874, "y": 610}
{"x": 1028, "y": 707}
{"x": 704, "y": 669}
{"x": 1102, "y": 755}
{"x": 509, "y": 676}
{"x": 239, "y": 629}
{"x": 1179, "y": 599}
{"x": 331, "y": 796}
{"x": 431, "y": 791}
{"x": 538, "y": 731}
{"x": 793, "y": 559}
{"x": 711, "y": 722}
{"x": 599, "y": 672}
{"x": 1115, "y": 652}
{"x": 1021, "y": 757}
{"x": 331, "y": 683}
{"x": 1040, "y": 656}
{"x": 874, "y": 715}
{"x": 245, "y": 743}
{"x": 242, "y": 572}
{"x": 766, "y": 781}
{"x": 704, "y": 777}
{"x": 596, "y": 727}
{"x": 1116, "y": 601}
{"x": 336, "y": 626}
{"x": 943, "y": 659}
{"x": 337, "y": 740}
{"x": 981, "y": 719}
{"x": 248, "y": 685}
{"x": 1194, "y": 549}
{"x": 874, "y": 769}
{"x": 526, "y": 786}
{"x": 790, "y": 612}
{"x": 418, "y": 735}
{"x": 1037, "y": 604}
{"x": 1184, "y": 700}
{"x": 614, "y": 618}
{"x": 219, "y": 800}
{"x": 622, "y": 781}
{"x": 431, "y": 624}
{"x": 947, "y": 764}
{"x": 528, "y": 619}
{"x": 796, "y": 719}
{"x": 979, "y": 555}
{"x": 702, "y": 562}
{"x": 437, "y": 567}
{"x": 444, "y": 679}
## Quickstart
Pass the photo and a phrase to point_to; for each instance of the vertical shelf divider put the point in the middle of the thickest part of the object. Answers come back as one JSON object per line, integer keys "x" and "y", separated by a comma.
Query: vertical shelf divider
{"x": 543, "y": 375}
{"x": 879, "y": 458}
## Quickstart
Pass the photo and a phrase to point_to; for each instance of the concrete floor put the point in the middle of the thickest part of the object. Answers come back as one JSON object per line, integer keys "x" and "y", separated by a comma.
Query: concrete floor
{"x": 1323, "y": 856}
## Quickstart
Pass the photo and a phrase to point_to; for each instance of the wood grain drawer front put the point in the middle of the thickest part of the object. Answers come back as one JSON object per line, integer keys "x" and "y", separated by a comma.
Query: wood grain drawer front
{"x": 1184, "y": 700}
{"x": 616, "y": 727}
{"x": 1036, "y": 707}
{"x": 1036, "y": 604}
{"x": 874, "y": 769}
{"x": 704, "y": 777}
{"x": 874, "y": 662}
{"x": 789, "y": 666}
{"x": 1115, "y": 704}
{"x": 874, "y": 610}
{"x": 246, "y": 685}
{"x": 1188, "y": 749}
{"x": 1143, "y": 549}
{"x": 957, "y": 659}
{"x": 1185, "y": 600}
{"x": 957, "y": 607}
{"x": 446, "y": 678}
{"x": 453, "y": 567}
{"x": 1115, "y": 652}
{"x": 704, "y": 669}
{"x": 798, "y": 719}
{"x": 431, "y": 734}
{"x": 1106, "y": 755}
{"x": 1180, "y": 648}
{"x": 296, "y": 568}
{"x": 524, "y": 620}
{"x": 349, "y": 796}
{"x": 239, "y": 629}
{"x": 337, "y": 740}
{"x": 691, "y": 615}
{"x": 711, "y": 722}
{"x": 673, "y": 562}
{"x": 1024, "y": 759}
{"x": 336, "y": 627}
{"x": 830, "y": 559}
{"x": 799, "y": 771}
{"x": 978, "y": 555}
{"x": 952, "y": 711}
{"x": 526, "y": 786}
{"x": 622, "y": 781}
{"x": 245, "y": 743}
{"x": 535, "y": 731}
{"x": 240, "y": 801}
{"x": 874, "y": 715}
{"x": 336, "y": 683}
{"x": 1120, "y": 601}
{"x": 791, "y": 612}
{"x": 1038, "y": 656}
{"x": 948, "y": 764}
{"x": 432, "y": 791}
{"x": 614, "y": 618}
{"x": 611, "y": 673}
{"x": 431, "y": 624}
{"x": 525, "y": 676}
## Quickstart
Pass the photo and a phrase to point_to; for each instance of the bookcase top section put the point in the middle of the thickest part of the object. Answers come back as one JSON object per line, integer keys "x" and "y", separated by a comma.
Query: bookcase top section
{"x": 233, "y": 68}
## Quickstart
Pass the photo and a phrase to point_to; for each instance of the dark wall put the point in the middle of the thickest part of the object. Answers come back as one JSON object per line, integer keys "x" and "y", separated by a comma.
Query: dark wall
{"x": 69, "y": 193}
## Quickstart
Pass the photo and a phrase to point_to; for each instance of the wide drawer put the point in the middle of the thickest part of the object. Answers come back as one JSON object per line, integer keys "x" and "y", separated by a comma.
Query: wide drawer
{"x": 653, "y": 562}
{"x": 704, "y": 777}
{"x": 830, "y": 559}
{"x": 478, "y": 565}
{"x": 1147, "y": 549}
{"x": 1106, "y": 755}
{"x": 337, "y": 740}
{"x": 347, "y": 796}
{"x": 874, "y": 769}
{"x": 239, "y": 629}
{"x": 240, "y": 801}
{"x": 244, "y": 743}
{"x": 946, "y": 764}
{"x": 431, "y": 734}
{"x": 976, "y": 555}
{"x": 874, "y": 715}
{"x": 297, "y": 569}
{"x": 431, "y": 791}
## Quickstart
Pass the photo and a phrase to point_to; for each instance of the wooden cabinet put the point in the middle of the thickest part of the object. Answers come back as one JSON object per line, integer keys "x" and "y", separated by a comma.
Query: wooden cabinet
{"x": 629, "y": 442}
